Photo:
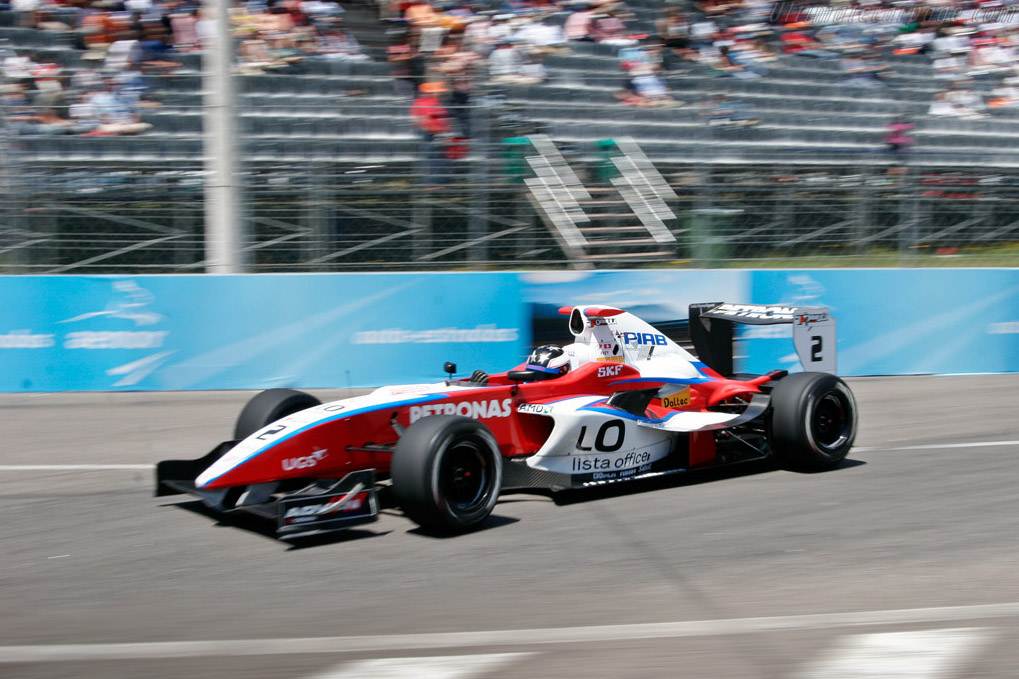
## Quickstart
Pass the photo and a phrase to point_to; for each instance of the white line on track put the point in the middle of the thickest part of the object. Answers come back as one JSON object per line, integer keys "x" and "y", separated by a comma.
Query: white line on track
{"x": 936, "y": 446}
{"x": 433, "y": 667}
{"x": 927, "y": 654}
{"x": 72, "y": 467}
{"x": 511, "y": 637}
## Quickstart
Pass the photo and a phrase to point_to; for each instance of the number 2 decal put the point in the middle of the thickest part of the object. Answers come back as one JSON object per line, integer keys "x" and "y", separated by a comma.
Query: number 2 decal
{"x": 599, "y": 440}
{"x": 816, "y": 347}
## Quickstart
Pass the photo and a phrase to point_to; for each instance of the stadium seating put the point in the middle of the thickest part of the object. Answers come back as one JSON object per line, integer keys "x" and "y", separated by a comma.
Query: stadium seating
{"x": 350, "y": 110}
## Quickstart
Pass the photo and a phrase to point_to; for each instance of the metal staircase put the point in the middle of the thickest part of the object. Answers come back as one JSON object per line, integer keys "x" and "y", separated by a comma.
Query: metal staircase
{"x": 626, "y": 222}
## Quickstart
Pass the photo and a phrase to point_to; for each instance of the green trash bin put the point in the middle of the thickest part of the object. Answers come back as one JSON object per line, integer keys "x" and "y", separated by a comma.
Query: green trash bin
{"x": 514, "y": 159}
{"x": 709, "y": 242}
{"x": 605, "y": 170}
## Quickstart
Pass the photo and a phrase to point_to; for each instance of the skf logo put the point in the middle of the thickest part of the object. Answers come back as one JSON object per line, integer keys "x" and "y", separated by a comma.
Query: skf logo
{"x": 476, "y": 409}
{"x": 677, "y": 400}
{"x": 609, "y": 370}
{"x": 644, "y": 338}
{"x": 308, "y": 462}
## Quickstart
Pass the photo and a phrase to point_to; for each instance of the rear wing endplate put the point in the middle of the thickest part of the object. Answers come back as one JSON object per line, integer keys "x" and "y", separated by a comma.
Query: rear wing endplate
{"x": 711, "y": 330}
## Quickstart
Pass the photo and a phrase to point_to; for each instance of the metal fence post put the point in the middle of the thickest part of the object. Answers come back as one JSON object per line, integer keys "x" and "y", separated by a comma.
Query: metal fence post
{"x": 223, "y": 242}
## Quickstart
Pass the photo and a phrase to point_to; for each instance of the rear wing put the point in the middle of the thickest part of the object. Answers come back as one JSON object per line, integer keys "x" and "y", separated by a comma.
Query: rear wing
{"x": 711, "y": 330}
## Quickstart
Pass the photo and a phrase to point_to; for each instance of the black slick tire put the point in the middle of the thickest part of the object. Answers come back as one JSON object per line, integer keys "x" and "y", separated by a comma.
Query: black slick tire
{"x": 813, "y": 421}
{"x": 269, "y": 406}
{"x": 447, "y": 473}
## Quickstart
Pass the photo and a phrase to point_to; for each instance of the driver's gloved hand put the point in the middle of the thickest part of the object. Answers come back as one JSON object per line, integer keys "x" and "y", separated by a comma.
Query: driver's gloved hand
{"x": 479, "y": 377}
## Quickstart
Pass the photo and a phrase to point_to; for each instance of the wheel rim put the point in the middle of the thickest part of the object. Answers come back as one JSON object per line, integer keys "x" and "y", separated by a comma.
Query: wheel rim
{"x": 464, "y": 477}
{"x": 830, "y": 422}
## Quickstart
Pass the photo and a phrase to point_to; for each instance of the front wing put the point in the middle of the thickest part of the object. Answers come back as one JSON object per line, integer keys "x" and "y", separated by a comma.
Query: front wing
{"x": 311, "y": 510}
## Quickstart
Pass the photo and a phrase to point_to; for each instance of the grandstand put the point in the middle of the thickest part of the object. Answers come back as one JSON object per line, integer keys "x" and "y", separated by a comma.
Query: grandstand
{"x": 331, "y": 167}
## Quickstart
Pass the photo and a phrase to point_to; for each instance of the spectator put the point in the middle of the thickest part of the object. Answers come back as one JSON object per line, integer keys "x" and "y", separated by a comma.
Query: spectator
{"x": 542, "y": 37}
{"x": 702, "y": 33}
{"x": 958, "y": 101}
{"x": 1006, "y": 95}
{"x": 796, "y": 41}
{"x": 432, "y": 122}
{"x": 330, "y": 42}
{"x": 579, "y": 24}
{"x": 18, "y": 67}
{"x": 673, "y": 29}
{"x": 500, "y": 29}
{"x": 644, "y": 88}
{"x": 863, "y": 69}
{"x": 184, "y": 26}
{"x": 506, "y": 67}
{"x": 255, "y": 58}
{"x": 533, "y": 68}
{"x": 125, "y": 54}
{"x": 897, "y": 137}
{"x": 458, "y": 66}
{"x": 114, "y": 113}
{"x": 609, "y": 29}
{"x": 407, "y": 68}
{"x": 967, "y": 102}
{"x": 478, "y": 36}
{"x": 420, "y": 14}
{"x": 725, "y": 110}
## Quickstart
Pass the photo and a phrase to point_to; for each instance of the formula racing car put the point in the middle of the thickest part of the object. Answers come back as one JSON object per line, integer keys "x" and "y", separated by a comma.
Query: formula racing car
{"x": 622, "y": 402}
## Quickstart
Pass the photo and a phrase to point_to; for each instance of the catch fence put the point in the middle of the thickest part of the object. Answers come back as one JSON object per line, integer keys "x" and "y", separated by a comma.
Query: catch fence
{"x": 119, "y": 205}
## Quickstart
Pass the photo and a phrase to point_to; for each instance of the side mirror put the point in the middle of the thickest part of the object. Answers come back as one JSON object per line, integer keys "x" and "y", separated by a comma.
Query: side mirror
{"x": 450, "y": 368}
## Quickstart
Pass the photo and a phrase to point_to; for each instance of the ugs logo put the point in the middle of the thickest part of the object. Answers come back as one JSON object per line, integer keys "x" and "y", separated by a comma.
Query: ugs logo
{"x": 609, "y": 370}
{"x": 307, "y": 462}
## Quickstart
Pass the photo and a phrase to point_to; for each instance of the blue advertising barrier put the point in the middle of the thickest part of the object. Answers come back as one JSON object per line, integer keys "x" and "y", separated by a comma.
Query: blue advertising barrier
{"x": 897, "y": 321}
{"x": 78, "y": 333}
{"x": 890, "y": 321}
{"x": 88, "y": 333}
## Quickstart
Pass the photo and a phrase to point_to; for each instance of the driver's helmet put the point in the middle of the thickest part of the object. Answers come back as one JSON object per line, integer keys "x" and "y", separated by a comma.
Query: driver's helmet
{"x": 548, "y": 361}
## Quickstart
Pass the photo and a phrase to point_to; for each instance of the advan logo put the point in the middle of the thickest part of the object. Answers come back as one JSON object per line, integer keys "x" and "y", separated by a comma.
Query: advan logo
{"x": 479, "y": 410}
{"x": 307, "y": 462}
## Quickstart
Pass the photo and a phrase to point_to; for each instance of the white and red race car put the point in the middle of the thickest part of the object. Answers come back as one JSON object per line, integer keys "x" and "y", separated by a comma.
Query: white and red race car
{"x": 622, "y": 402}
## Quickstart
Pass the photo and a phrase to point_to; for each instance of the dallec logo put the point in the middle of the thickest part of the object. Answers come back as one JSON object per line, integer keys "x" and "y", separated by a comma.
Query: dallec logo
{"x": 677, "y": 400}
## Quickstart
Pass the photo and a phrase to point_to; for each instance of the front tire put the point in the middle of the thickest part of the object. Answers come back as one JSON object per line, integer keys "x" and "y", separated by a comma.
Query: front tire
{"x": 447, "y": 473}
{"x": 271, "y": 405}
{"x": 813, "y": 421}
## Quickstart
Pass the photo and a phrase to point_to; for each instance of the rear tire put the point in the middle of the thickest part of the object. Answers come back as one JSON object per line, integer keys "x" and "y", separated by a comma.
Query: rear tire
{"x": 813, "y": 421}
{"x": 269, "y": 406}
{"x": 447, "y": 473}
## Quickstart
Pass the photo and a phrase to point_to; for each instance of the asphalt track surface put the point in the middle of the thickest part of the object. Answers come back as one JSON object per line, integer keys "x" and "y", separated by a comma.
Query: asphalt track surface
{"x": 904, "y": 562}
